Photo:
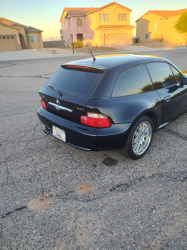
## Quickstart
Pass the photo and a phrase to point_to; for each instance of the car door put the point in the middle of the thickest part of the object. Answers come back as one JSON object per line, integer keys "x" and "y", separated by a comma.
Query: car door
{"x": 169, "y": 90}
{"x": 178, "y": 75}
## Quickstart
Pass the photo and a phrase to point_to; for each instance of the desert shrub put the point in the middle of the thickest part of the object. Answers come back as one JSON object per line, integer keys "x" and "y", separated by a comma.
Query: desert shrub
{"x": 78, "y": 44}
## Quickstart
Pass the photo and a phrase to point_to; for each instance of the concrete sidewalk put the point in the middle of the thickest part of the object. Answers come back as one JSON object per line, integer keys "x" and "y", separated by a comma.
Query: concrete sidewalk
{"x": 30, "y": 54}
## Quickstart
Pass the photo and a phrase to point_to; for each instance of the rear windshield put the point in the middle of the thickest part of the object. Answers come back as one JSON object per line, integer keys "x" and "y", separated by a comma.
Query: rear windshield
{"x": 75, "y": 82}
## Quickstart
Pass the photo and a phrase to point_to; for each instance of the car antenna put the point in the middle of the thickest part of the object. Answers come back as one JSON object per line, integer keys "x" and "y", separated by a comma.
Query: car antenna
{"x": 92, "y": 55}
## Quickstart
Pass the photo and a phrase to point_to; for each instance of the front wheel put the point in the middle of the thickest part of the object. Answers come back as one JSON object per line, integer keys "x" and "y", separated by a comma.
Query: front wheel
{"x": 139, "y": 139}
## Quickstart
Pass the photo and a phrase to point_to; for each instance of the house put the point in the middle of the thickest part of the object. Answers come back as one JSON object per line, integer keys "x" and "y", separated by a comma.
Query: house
{"x": 16, "y": 36}
{"x": 105, "y": 26}
{"x": 158, "y": 26}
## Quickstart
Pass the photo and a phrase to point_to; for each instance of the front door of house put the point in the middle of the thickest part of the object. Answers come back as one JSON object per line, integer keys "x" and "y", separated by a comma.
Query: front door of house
{"x": 79, "y": 37}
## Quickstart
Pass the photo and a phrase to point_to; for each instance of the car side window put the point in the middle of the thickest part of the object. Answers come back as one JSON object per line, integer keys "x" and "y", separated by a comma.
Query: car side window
{"x": 177, "y": 74}
{"x": 161, "y": 75}
{"x": 133, "y": 81}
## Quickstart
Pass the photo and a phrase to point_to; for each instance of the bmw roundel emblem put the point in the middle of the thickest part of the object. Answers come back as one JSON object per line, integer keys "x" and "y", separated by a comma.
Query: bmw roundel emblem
{"x": 57, "y": 101}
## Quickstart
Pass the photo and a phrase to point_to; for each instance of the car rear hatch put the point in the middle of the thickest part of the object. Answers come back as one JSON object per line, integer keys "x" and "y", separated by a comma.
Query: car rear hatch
{"x": 70, "y": 88}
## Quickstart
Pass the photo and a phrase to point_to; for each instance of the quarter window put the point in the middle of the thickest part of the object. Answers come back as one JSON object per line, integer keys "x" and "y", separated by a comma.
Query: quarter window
{"x": 161, "y": 75}
{"x": 122, "y": 17}
{"x": 133, "y": 81}
{"x": 103, "y": 17}
{"x": 177, "y": 74}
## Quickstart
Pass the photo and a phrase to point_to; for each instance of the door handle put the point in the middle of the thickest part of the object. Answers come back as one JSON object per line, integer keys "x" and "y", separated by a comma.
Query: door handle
{"x": 167, "y": 98}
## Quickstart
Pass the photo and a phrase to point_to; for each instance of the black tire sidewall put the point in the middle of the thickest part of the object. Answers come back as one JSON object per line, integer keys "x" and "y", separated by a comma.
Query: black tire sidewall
{"x": 130, "y": 137}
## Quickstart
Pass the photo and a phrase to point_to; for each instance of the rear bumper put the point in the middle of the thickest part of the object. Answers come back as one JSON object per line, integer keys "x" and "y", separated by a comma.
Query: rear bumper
{"x": 86, "y": 138}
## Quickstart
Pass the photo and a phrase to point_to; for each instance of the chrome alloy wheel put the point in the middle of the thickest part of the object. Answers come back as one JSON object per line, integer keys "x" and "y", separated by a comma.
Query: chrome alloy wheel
{"x": 141, "y": 138}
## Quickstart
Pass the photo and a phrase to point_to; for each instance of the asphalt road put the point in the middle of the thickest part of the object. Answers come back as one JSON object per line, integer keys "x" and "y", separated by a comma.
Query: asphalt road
{"x": 53, "y": 196}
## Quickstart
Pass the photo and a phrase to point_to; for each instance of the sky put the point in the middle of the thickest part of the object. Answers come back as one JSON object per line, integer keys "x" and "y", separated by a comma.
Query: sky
{"x": 45, "y": 14}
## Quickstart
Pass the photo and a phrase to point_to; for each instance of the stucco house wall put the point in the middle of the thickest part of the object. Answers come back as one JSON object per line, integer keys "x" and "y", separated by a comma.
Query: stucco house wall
{"x": 34, "y": 45}
{"x": 96, "y": 36}
{"x": 91, "y": 28}
{"x": 5, "y": 32}
{"x": 161, "y": 29}
{"x": 14, "y": 33}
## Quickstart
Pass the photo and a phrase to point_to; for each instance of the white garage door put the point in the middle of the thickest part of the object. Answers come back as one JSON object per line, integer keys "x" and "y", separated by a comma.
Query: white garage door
{"x": 116, "y": 39}
{"x": 7, "y": 43}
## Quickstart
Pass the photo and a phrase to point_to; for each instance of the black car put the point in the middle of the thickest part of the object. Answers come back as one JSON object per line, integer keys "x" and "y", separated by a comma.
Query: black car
{"x": 115, "y": 101}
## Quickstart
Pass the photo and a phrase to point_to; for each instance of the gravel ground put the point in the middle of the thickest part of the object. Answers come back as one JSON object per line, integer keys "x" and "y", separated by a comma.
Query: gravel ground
{"x": 56, "y": 197}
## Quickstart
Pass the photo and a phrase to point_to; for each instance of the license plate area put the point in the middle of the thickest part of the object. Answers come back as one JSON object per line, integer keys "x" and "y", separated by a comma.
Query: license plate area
{"x": 59, "y": 133}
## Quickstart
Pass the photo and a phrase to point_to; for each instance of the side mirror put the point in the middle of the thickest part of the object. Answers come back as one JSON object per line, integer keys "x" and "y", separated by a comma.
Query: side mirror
{"x": 184, "y": 80}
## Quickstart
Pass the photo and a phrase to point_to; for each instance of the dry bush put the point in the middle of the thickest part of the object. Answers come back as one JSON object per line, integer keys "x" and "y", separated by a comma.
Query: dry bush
{"x": 78, "y": 44}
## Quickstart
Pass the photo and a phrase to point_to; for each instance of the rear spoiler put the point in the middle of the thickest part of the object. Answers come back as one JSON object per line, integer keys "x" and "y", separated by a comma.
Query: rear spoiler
{"x": 99, "y": 69}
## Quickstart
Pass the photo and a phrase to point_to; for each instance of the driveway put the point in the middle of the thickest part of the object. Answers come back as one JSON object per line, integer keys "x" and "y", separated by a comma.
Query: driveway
{"x": 56, "y": 197}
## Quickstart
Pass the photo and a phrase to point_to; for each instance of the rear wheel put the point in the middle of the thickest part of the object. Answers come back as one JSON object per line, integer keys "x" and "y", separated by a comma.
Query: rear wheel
{"x": 139, "y": 139}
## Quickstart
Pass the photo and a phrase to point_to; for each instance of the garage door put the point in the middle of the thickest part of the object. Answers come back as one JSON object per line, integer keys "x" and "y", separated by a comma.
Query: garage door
{"x": 116, "y": 39}
{"x": 7, "y": 43}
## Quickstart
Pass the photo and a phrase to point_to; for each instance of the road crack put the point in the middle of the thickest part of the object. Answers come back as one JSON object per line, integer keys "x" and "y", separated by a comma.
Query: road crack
{"x": 175, "y": 133}
{"x": 13, "y": 211}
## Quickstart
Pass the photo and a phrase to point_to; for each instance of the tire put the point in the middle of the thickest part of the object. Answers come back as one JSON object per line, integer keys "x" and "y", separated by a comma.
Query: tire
{"x": 138, "y": 140}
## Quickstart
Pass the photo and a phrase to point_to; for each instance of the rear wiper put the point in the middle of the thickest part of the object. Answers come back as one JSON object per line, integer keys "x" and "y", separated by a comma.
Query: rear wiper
{"x": 51, "y": 87}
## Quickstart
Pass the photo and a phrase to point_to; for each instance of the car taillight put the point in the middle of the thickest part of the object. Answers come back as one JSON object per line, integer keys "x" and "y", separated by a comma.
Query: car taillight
{"x": 43, "y": 103}
{"x": 95, "y": 120}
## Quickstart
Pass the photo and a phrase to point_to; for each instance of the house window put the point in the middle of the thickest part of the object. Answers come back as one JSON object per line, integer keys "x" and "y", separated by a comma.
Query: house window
{"x": 147, "y": 36}
{"x": 79, "y": 22}
{"x": 122, "y": 17}
{"x": 28, "y": 40}
{"x": 70, "y": 21}
{"x": 38, "y": 39}
{"x": 63, "y": 25}
{"x": 33, "y": 39}
{"x": 66, "y": 24}
{"x": 103, "y": 17}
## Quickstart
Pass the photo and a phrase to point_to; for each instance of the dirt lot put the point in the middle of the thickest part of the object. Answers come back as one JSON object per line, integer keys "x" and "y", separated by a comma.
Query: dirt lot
{"x": 54, "y": 196}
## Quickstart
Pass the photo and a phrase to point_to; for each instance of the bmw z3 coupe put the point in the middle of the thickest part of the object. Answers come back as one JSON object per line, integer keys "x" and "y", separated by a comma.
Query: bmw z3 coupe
{"x": 113, "y": 101}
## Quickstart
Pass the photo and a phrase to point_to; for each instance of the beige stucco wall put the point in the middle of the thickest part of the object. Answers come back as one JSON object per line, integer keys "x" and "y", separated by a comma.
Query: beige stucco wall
{"x": 34, "y": 45}
{"x": 7, "y": 31}
{"x": 22, "y": 32}
{"x": 165, "y": 30}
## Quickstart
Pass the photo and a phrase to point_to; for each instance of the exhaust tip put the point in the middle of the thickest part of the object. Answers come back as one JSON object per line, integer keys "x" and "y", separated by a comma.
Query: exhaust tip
{"x": 47, "y": 131}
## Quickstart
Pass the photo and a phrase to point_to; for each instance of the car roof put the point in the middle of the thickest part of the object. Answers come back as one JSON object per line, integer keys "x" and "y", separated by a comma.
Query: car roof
{"x": 106, "y": 61}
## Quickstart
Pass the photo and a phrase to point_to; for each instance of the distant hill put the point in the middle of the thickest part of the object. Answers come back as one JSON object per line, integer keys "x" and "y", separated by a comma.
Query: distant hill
{"x": 52, "y": 38}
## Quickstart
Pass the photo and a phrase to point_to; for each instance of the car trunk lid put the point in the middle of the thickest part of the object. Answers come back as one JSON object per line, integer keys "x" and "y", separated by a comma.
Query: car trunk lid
{"x": 68, "y": 91}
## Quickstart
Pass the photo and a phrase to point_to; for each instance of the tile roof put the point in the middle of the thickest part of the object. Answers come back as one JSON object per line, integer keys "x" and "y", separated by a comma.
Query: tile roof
{"x": 10, "y": 26}
{"x": 87, "y": 11}
{"x": 165, "y": 13}
{"x": 18, "y": 24}
{"x": 27, "y": 28}
{"x": 32, "y": 29}
{"x": 80, "y": 11}
{"x": 114, "y": 26}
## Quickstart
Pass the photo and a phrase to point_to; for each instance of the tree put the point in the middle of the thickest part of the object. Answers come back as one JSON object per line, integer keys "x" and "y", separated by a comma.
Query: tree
{"x": 181, "y": 25}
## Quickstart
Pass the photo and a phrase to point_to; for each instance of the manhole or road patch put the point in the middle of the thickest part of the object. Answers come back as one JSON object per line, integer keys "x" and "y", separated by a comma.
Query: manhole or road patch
{"x": 39, "y": 203}
{"x": 109, "y": 161}
{"x": 83, "y": 189}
